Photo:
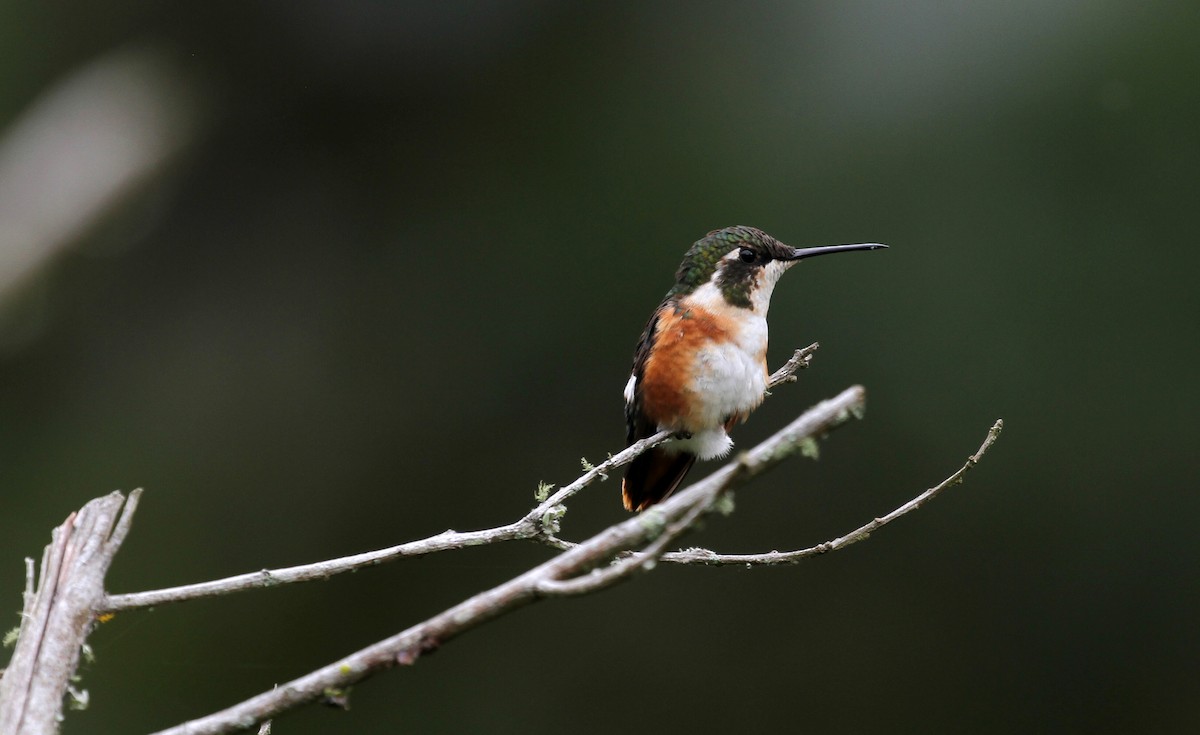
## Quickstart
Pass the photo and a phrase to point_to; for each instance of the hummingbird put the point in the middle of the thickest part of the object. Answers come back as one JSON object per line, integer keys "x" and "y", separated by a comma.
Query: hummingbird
{"x": 700, "y": 366}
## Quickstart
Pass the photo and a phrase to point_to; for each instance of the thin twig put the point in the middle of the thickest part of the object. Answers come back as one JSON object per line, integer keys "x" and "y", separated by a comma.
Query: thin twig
{"x": 801, "y": 359}
{"x": 533, "y": 525}
{"x": 773, "y": 558}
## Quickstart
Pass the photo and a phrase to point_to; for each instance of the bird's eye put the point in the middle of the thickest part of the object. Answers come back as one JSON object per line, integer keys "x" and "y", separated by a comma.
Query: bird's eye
{"x": 746, "y": 255}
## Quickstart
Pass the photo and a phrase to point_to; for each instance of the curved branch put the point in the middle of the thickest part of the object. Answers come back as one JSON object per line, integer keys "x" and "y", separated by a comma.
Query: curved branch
{"x": 773, "y": 558}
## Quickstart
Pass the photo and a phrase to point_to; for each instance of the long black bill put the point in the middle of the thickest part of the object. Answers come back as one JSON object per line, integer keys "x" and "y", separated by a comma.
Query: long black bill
{"x": 802, "y": 253}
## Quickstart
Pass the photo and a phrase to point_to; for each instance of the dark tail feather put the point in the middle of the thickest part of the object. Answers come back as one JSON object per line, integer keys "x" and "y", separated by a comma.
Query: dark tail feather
{"x": 653, "y": 476}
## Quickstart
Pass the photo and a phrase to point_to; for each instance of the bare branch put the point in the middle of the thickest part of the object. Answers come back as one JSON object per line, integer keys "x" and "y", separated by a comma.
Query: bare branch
{"x": 309, "y": 572}
{"x": 529, "y": 526}
{"x": 58, "y": 615}
{"x": 800, "y": 360}
{"x": 607, "y": 558}
{"x": 773, "y": 558}
{"x": 670, "y": 517}
{"x": 535, "y": 524}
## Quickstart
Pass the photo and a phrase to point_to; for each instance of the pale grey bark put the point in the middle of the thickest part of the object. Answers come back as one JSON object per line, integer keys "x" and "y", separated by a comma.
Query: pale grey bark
{"x": 58, "y": 615}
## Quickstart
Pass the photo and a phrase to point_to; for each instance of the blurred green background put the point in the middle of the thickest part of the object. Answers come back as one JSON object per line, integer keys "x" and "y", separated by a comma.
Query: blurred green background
{"x": 355, "y": 273}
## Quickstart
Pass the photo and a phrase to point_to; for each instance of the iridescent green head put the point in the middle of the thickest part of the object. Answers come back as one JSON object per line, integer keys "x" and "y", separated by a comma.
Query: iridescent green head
{"x": 743, "y": 263}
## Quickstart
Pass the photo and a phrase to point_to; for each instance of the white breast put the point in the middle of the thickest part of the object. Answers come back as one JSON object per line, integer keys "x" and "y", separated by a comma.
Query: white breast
{"x": 729, "y": 381}
{"x": 730, "y": 377}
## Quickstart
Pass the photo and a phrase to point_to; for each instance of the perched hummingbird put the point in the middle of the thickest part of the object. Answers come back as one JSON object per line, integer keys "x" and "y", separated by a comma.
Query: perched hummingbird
{"x": 701, "y": 365}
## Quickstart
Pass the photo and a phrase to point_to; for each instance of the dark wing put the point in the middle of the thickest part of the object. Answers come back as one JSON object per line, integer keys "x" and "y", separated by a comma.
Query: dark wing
{"x": 654, "y": 474}
{"x": 637, "y": 426}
